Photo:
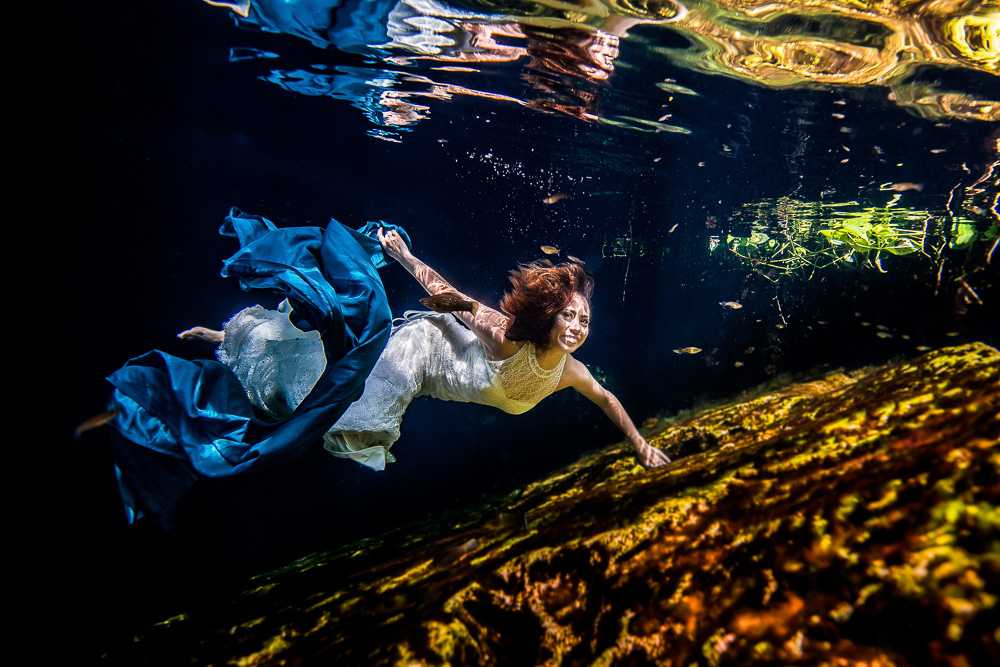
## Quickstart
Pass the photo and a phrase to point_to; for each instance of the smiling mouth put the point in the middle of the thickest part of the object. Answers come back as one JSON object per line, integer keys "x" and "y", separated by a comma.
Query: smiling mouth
{"x": 571, "y": 340}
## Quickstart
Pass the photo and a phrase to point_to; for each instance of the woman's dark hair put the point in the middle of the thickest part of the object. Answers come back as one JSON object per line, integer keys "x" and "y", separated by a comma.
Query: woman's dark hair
{"x": 541, "y": 290}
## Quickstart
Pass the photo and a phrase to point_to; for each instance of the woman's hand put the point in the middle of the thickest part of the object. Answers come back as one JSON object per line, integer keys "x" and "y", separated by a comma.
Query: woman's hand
{"x": 393, "y": 244}
{"x": 650, "y": 456}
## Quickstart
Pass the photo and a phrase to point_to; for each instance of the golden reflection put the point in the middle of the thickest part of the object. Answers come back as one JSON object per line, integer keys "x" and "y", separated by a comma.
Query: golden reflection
{"x": 810, "y": 43}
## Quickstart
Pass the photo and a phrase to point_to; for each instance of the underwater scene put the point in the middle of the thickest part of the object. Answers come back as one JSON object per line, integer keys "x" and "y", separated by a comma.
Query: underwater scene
{"x": 772, "y": 435}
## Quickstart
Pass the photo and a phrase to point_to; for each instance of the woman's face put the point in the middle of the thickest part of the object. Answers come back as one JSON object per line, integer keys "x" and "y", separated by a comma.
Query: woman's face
{"x": 571, "y": 326}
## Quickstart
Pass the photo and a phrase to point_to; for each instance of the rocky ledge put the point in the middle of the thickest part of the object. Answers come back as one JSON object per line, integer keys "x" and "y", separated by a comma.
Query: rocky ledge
{"x": 848, "y": 520}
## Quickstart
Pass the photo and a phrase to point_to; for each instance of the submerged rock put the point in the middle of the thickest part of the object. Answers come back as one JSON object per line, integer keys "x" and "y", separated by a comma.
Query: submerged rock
{"x": 844, "y": 521}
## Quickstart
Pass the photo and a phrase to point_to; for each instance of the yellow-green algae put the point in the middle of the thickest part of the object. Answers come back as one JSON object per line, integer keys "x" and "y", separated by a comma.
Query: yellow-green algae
{"x": 850, "y": 520}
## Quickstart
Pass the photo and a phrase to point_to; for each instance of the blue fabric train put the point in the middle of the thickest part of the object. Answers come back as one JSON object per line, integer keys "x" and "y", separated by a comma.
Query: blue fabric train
{"x": 185, "y": 419}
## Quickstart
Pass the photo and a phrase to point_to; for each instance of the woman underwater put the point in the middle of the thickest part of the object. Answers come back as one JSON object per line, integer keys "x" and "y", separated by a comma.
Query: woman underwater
{"x": 509, "y": 360}
{"x": 325, "y": 365}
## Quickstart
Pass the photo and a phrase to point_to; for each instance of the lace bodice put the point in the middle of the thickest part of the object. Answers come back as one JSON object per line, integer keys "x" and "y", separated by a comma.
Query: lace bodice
{"x": 523, "y": 379}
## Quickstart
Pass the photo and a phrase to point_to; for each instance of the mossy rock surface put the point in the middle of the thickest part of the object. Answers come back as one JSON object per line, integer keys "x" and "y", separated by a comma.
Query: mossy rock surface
{"x": 849, "y": 520}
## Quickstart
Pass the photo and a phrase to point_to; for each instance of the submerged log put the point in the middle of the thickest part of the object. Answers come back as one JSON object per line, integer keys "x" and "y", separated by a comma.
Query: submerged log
{"x": 849, "y": 520}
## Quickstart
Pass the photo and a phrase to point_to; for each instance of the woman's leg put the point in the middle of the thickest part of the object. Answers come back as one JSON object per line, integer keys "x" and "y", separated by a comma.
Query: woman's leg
{"x": 203, "y": 333}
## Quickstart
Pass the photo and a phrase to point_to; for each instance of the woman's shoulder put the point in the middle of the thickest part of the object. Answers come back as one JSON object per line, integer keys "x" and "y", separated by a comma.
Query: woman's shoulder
{"x": 503, "y": 350}
{"x": 574, "y": 373}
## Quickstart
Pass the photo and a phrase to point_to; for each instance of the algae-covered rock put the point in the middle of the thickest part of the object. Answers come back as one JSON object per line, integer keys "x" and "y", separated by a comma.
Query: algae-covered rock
{"x": 844, "y": 521}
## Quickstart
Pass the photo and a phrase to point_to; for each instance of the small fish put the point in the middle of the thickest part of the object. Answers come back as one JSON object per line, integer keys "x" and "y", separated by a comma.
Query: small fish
{"x": 701, "y": 164}
{"x": 687, "y": 350}
{"x": 552, "y": 199}
{"x": 575, "y": 260}
{"x": 650, "y": 423}
{"x": 938, "y": 150}
{"x": 750, "y": 350}
{"x": 673, "y": 228}
{"x": 94, "y": 422}
{"x": 924, "y": 348}
{"x": 838, "y": 115}
{"x": 905, "y": 337}
{"x": 735, "y": 305}
{"x": 882, "y": 327}
{"x": 902, "y": 187}
{"x": 883, "y": 334}
{"x": 866, "y": 324}
{"x": 672, "y": 87}
{"x": 952, "y": 334}
{"x": 550, "y": 250}
{"x": 738, "y": 364}
{"x": 450, "y": 302}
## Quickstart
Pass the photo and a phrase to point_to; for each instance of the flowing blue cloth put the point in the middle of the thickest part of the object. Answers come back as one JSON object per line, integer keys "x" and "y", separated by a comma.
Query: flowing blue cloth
{"x": 185, "y": 419}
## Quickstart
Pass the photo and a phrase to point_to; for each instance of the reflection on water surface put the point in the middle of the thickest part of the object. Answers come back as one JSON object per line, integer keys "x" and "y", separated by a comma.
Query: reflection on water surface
{"x": 929, "y": 57}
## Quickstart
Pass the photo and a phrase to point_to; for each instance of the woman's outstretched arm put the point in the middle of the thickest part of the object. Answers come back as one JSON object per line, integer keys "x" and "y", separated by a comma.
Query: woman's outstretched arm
{"x": 488, "y": 324}
{"x": 577, "y": 376}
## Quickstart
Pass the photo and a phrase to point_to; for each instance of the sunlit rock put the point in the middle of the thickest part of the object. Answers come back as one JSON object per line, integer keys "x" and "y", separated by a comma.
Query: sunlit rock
{"x": 852, "y": 519}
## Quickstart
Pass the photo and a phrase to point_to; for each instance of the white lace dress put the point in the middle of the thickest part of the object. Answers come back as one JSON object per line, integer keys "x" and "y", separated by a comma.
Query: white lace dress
{"x": 277, "y": 363}
{"x": 429, "y": 354}
{"x": 434, "y": 355}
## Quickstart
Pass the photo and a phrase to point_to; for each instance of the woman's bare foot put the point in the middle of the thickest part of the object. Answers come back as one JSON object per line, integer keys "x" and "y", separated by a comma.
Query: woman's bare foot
{"x": 203, "y": 333}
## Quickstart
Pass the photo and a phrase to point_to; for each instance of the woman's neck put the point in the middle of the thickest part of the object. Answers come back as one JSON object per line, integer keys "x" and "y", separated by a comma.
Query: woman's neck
{"x": 548, "y": 358}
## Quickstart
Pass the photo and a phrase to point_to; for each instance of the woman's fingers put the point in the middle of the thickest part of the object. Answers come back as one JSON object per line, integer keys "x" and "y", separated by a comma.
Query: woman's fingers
{"x": 651, "y": 457}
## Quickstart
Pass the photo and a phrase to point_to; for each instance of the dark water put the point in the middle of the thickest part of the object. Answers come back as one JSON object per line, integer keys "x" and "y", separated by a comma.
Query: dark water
{"x": 839, "y": 184}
